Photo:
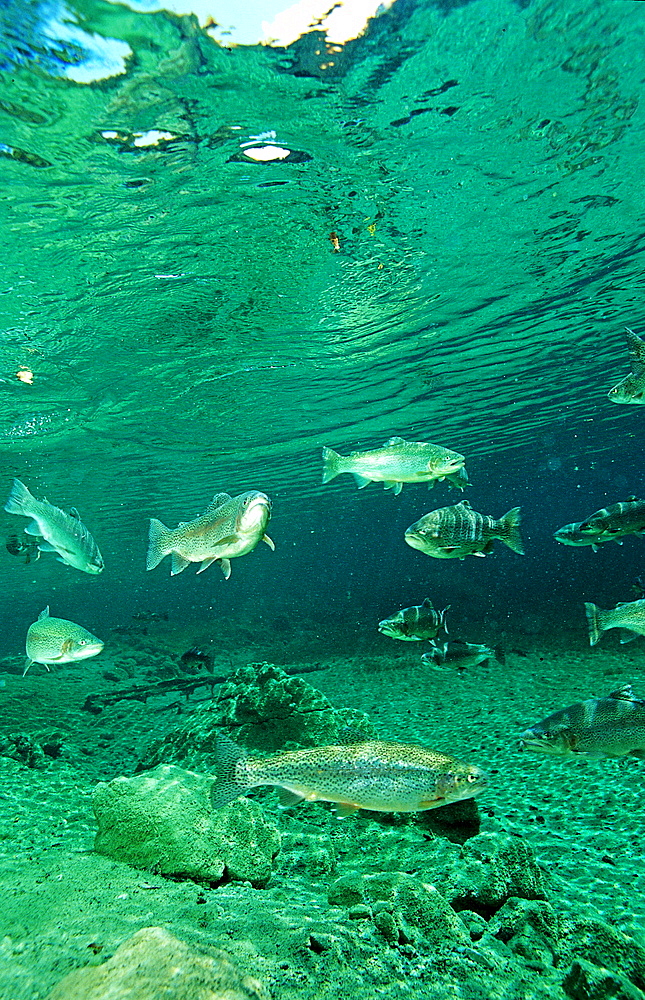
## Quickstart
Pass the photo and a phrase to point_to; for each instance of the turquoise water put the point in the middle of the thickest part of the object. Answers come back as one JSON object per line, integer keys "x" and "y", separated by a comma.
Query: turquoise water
{"x": 449, "y": 253}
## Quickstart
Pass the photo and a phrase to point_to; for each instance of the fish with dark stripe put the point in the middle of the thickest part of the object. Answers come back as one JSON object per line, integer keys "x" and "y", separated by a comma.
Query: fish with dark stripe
{"x": 624, "y": 518}
{"x": 415, "y": 624}
{"x": 631, "y": 389}
{"x": 599, "y": 727}
{"x": 459, "y": 531}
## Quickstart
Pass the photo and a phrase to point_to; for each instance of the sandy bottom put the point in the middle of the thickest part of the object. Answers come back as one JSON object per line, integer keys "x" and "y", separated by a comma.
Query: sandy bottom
{"x": 62, "y": 906}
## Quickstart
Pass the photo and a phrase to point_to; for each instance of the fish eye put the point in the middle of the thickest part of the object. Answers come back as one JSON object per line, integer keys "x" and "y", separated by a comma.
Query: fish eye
{"x": 82, "y": 642}
{"x": 471, "y": 778}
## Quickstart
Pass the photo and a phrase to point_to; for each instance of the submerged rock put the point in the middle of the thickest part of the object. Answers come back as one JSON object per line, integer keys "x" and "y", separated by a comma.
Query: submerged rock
{"x": 402, "y": 908}
{"x": 162, "y": 821}
{"x": 265, "y": 709}
{"x": 492, "y": 868}
{"x": 153, "y": 964}
{"x": 585, "y": 981}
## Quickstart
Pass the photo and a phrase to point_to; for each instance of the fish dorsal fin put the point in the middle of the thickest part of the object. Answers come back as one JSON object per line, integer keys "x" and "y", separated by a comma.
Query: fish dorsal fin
{"x": 218, "y": 500}
{"x": 633, "y": 499}
{"x": 427, "y": 603}
{"x": 464, "y": 503}
{"x": 394, "y": 440}
{"x": 623, "y": 693}
{"x": 74, "y": 513}
{"x": 636, "y": 351}
{"x": 44, "y": 613}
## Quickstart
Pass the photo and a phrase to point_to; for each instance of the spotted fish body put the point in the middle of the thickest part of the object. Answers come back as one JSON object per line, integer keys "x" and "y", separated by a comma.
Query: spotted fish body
{"x": 59, "y": 532}
{"x": 56, "y": 640}
{"x": 624, "y": 518}
{"x": 628, "y": 616}
{"x": 459, "y": 531}
{"x": 385, "y": 777}
{"x": 229, "y": 527}
{"x": 414, "y": 624}
{"x": 398, "y": 462}
{"x": 631, "y": 389}
{"x": 599, "y": 727}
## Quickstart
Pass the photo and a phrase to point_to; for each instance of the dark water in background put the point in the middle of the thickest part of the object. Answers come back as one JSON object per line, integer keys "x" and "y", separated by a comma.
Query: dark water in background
{"x": 191, "y": 329}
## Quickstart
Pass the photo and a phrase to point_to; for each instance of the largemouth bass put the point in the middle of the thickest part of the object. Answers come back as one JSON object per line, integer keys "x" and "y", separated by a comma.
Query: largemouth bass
{"x": 599, "y": 727}
{"x": 459, "y": 531}
{"x": 229, "y": 527}
{"x": 60, "y": 532}
{"x": 385, "y": 777}
{"x": 398, "y": 462}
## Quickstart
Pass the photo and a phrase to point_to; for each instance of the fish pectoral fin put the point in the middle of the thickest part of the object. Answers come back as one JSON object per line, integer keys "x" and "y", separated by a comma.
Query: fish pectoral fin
{"x": 226, "y": 567}
{"x": 628, "y": 635}
{"x": 288, "y": 797}
{"x": 63, "y": 560}
{"x": 394, "y": 440}
{"x": 46, "y": 547}
{"x": 637, "y": 753}
{"x": 33, "y": 529}
{"x": 431, "y": 803}
{"x": 361, "y": 481}
{"x": 346, "y": 809}
{"x": 28, "y": 664}
{"x": 205, "y": 564}
{"x": 178, "y": 564}
{"x": 269, "y": 541}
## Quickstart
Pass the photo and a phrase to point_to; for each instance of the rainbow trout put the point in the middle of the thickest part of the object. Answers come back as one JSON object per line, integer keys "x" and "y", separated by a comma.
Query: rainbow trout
{"x": 229, "y": 527}
{"x": 459, "y": 531}
{"x": 631, "y": 389}
{"x": 58, "y": 532}
{"x": 398, "y": 462}
{"x": 384, "y": 777}
{"x": 56, "y": 640}
{"x": 599, "y": 727}
{"x": 629, "y": 617}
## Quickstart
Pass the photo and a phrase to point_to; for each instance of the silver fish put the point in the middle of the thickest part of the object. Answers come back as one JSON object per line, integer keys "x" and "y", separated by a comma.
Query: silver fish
{"x": 415, "y": 624}
{"x": 599, "y": 727}
{"x": 570, "y": 534}
{"x": 56, "y": 640}
{"x": 629, "y": 617}
{"x": 398, "y": 462}
{"x": 631, "y": 389}
{"x": 385, "y": 777}
{"x": 60, "y": 532}
{"x": 617, "y": 520}
{"x": 457, "y": 654}
{"x": 229, "y": 527}
{"x": 459, "y": 531}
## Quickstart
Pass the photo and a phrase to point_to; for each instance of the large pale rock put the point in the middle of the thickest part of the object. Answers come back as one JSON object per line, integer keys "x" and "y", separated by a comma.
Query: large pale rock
{"x": 154, "y": 964}
{"x": 162, "y": 821}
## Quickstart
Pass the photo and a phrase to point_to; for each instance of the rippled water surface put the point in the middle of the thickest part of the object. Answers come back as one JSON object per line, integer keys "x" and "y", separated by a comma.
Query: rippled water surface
{"x": 449, "y": 252}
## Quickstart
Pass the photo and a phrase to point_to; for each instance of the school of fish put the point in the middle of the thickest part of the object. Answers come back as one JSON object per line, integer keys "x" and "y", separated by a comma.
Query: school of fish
{"x": 373, "y": 775}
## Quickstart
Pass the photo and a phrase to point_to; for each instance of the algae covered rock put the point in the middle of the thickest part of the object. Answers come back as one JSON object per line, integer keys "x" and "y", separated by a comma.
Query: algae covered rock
{"x": 491, "y": 868}
{"x": 265, "y": 709}
{"x": 153, "y": 964}
{"x": 162, "y": 821}
{"x": 403, "y": 909}
{"x": 593, "y": 942}
{"x": 585, "y": 981}
{"x": 529, "y": 927}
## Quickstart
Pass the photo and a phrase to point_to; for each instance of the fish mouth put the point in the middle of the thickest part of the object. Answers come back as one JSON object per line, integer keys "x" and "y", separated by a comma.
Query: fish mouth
{"x": 451, "y": 465}
{"x": 414, "y": 539}
{"x": 91, "y": 649}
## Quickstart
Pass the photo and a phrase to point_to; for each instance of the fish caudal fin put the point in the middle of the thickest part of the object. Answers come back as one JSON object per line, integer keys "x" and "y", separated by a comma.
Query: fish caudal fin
{"x": 20, "y": 500}
{"x": 158, "y": 543}
{"x": 596, "y": 626}
{"x": 331, "y": 464}
{"x": 227, "y": 786}
{"x": 511, "y": 525}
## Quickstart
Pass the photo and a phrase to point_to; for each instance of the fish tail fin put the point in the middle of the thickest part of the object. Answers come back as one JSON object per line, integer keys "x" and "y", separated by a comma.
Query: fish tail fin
{"x": 442, "y": 618}
{"x": 595, "y": 622}
{"x": 158, "y": 543}
{"x": 20, "y": 500}
{"x": 331, "y": 464}
{"x": 511, "y": 525}
{"x": 227, "y": 786}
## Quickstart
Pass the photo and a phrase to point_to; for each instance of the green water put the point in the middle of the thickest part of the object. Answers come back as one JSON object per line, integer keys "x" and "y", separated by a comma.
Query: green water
{"x": 450, "y": 254}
